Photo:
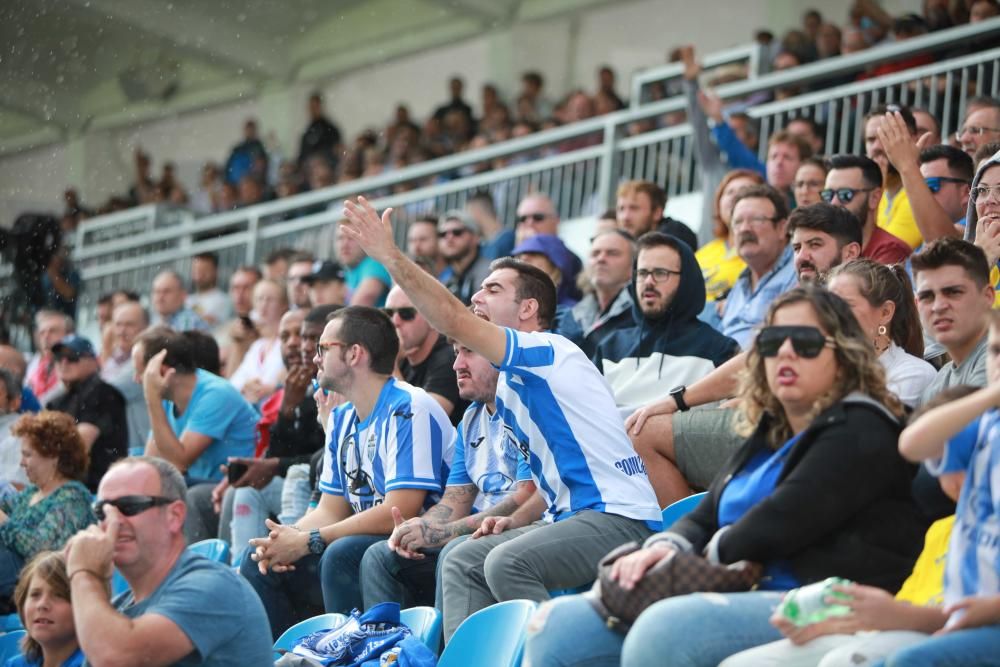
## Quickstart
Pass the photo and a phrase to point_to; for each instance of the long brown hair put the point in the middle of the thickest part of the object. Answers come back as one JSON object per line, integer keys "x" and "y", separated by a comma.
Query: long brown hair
{"x": 880, "y": 283}
{"x": 858, "y": 368}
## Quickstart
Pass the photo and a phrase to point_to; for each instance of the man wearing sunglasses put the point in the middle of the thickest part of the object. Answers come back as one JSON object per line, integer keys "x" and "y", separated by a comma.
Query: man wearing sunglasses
{"x": 426, "y": 357}
{"x": 536, "y": 214}
{"x": 554, "y": 399}
{"x": 936, "y": 179}
{"x": 895, "y": 213}
{"x": 389, "y": 446}
{"x": 181, "y": 608}
{"x": 854, "y": 182}
{"x": 458, "y": 238}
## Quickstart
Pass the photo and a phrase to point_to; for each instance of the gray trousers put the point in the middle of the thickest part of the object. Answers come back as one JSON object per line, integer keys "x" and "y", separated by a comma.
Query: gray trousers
{"x": 526, "y": 563}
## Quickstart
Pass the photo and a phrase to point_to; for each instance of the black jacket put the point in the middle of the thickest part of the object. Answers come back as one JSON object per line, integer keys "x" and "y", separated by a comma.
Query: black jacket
{"x": 677, "y": 228}
{"x": 842, "y": 506}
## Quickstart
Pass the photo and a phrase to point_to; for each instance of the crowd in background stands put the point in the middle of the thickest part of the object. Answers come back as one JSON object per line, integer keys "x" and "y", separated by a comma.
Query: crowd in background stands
{"x": 258, "y": 169}
{"x": 479, "y": 417}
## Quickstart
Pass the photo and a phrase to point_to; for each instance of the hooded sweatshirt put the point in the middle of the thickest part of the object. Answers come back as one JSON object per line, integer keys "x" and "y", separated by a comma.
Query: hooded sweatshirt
{"x": 643, "y": 362}
{"x": 971, "y": 218}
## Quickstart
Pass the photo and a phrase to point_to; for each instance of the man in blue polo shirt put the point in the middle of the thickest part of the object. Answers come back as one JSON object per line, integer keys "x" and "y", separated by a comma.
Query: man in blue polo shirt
{"x": 560, "y": 411}
{"x": 197, "y": 419}
{"x": 389, "y": 446}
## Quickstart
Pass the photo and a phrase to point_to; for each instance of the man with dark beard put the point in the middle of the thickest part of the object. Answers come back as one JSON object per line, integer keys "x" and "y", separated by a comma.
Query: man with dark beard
{"x": 823, "y": 236}
{"x": 669, "y": 342}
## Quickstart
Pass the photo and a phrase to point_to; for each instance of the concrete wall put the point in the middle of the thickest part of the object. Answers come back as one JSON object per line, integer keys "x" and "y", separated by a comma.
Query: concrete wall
{"x": 629, "y": 35}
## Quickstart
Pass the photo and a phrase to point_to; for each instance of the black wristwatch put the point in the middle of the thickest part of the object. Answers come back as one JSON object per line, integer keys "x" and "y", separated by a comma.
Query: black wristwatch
{"x": 316, "y": 543}
{"x": 677, "y": 393}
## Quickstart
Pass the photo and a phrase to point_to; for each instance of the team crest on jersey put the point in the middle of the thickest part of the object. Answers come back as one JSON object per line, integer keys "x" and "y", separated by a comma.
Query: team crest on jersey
{"x": 370, "y": 447}
{"x": 510, "y": 438}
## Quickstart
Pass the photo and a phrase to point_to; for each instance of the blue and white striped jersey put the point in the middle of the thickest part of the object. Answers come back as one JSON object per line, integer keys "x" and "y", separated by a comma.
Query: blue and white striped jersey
{"x": 973, "y": 563}
{"x": 560, "y": 409}
{"x": 406, "y": 443}
{"x": 486, "y": 455}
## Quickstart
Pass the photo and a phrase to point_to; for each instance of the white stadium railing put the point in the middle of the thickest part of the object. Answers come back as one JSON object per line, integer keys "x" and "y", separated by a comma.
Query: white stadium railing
{"x": 578, "y": 165}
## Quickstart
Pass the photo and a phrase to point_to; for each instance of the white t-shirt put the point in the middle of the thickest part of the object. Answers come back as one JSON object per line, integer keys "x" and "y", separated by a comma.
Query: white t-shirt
{"x": 263, "y": 362}
{"x": 906, "y": 375}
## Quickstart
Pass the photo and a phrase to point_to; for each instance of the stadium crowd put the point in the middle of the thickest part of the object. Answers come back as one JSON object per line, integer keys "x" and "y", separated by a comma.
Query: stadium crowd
{"x": 482, "y": 416}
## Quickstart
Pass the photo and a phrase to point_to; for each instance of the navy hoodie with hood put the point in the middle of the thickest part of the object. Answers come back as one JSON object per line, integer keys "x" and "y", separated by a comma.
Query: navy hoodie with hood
{"x": 643, "y": 362}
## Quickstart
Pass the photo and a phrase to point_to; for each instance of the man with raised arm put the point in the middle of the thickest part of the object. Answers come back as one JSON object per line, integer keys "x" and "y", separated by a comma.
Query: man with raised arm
{"x": 563, "y": 415}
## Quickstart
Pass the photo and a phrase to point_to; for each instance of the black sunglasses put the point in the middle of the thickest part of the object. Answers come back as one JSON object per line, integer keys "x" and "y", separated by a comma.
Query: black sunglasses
{"x": 405, "y": 314}
{"x": 845, "y": 195}
{"x": 130, "y": 505}
{"x": 458, "y": 231}
{"x": 535, "y": 217}
{"x": 807, "y": 342}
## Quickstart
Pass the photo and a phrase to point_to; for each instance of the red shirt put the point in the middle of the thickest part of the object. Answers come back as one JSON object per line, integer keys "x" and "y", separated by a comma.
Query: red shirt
{"x": 268, "y": 415}
{"x": 885, "y": 248}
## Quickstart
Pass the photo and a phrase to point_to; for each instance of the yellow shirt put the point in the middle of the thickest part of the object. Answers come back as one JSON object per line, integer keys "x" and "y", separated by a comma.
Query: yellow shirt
{"x": 995, "y": 281}
{"x": 898, "y": 219}
{"x": 720, "y": 266}
{"x": 925, "y": 585}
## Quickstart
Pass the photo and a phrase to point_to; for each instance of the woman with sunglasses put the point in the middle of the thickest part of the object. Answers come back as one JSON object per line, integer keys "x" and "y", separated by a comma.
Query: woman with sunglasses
{"x": 46, "y": 612}
{"x": 881, "y": 298}
{"x": 817, "y": 490}
{"x": 55, "y": 505}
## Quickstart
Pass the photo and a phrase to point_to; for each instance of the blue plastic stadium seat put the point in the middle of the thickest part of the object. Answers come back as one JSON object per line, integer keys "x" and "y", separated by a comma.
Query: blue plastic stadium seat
{"x": 677, "y": 510}
{"x": 322, "y": 622}
{"x": 10, "y": 622}
{"x": 10, "y": 645}
{"x": 213, "y": 549}
{"x": 425, "y": 623}
{"x": 492, "y": 637}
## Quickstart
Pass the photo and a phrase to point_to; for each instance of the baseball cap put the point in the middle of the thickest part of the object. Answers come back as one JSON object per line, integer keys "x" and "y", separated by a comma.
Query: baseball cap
{"x": 324, "y": 271}
{"x": 73, "y": 346}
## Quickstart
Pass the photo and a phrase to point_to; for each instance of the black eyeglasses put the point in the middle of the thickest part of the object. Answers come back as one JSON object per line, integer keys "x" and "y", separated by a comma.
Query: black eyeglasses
{"x": 658, "y": 275}
{"x": 807, "y": 342}
{"x": 130, "y": 505}
{"x": 458, "y": 231}
{"x": 405, "y": 314}
{"x": 845, "y": 195}
{"x": 534, "y": 217}
{"x": 934, "y": 183}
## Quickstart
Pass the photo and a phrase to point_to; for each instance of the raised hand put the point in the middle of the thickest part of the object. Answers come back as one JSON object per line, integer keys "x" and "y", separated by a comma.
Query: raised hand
{"x": 154, "y": 379}
{"x": 373, "y": 234}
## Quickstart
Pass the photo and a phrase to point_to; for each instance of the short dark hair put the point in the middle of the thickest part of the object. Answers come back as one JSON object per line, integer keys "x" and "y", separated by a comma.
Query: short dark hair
{"x": 533, "y": 77}
{"x": 959, "y": 162}
{"x": 532, "y": 283}
{"x": 281, "y": 254}
{"x": 249, "y": 268}
{"x": 836, "y": 221}
{"x": 814, "y": 127}
{"x": 871, "y": 173}
{"x": 180, "y": 352}
{"x": 205, "y": 350}
{"x": 321, "y": 314}
{"x": 373, "y": 330}
{"x": 816, "y": 161}
{"x": 752, "y": 126}
{"x": 883, "y": 109}
{"x": 301, "y": 256}
{"x": 950, "y": 251}
{"x": 764, "y": 191}
{"x": 128, "y": 294}
{"x": 211, "y": 257}
{"x": 105, "y": 298}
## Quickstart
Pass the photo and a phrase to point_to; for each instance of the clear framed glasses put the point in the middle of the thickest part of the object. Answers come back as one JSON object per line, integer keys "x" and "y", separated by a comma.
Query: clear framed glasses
{"x": 985, "y": 192}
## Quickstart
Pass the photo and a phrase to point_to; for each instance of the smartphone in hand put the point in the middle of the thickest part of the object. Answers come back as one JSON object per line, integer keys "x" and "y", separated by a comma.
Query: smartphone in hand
{"x": 236, "y": 471}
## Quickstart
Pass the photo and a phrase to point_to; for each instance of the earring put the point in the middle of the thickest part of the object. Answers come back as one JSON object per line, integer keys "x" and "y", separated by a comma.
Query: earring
{"x": 881, "y": 336}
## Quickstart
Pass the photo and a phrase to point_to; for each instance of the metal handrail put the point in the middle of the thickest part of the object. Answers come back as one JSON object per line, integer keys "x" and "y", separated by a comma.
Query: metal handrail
{"x": 751, "y": 53}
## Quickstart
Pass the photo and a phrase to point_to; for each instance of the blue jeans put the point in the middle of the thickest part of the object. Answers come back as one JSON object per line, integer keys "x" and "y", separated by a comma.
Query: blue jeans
{"x": 290, "y": 597}
{"x": 979, "y": 647}
{"x": 250, "y": 507}
{"x": 387, "y": 577}
{"x": 697, "y": 630}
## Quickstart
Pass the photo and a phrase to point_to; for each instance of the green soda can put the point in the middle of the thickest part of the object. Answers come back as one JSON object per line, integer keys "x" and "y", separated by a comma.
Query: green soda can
{"x": 808, "y": 604}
